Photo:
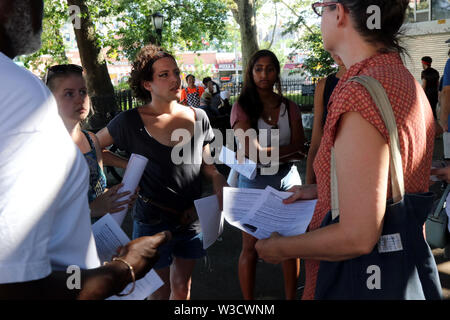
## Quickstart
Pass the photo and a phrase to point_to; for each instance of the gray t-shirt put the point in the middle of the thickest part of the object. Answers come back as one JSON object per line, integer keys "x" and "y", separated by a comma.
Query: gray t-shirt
{"x": 172, "y": 185}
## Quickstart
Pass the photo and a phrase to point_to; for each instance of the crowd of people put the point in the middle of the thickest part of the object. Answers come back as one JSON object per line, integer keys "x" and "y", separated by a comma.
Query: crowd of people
{"x": 54, "y": 187}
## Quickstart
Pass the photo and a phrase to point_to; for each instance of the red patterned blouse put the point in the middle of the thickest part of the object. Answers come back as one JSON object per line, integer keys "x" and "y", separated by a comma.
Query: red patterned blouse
{"x": 415, "y": 124}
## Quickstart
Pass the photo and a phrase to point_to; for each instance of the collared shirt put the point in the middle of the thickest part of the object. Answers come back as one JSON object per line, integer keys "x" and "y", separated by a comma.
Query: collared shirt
{"x": 415, "y": 125}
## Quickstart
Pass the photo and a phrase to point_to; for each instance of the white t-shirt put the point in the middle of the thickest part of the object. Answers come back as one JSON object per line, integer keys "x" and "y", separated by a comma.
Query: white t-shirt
{"x": 44, "y": 211}
{"x": 283, "y": 125}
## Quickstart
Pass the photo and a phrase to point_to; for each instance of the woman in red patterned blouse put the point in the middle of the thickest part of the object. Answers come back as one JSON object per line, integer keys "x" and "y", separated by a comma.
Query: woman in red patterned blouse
{"x": 360, "y": 139}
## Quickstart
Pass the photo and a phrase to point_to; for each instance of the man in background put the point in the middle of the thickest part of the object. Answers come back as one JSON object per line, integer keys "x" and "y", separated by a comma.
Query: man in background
{"x": 430, "y": 83}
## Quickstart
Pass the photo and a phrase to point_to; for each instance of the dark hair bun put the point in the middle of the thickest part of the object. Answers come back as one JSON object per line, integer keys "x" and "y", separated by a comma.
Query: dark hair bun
{"x": 390, "y": 20}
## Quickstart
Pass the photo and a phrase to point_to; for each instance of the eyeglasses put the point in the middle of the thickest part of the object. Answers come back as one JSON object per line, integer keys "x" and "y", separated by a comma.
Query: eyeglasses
{"x": 318, "y": 7}
{"x": 61, "y": 69}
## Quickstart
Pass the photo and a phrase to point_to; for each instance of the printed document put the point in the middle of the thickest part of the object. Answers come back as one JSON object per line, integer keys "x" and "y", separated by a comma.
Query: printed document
{"x": 108, "y": 238}
{"x": 237, "y": 202}
{"x": 261, "y": 212}
{"x": 211, "y": 219}
{"x": 228, "y": 157}
{"x": 144, "y": 287}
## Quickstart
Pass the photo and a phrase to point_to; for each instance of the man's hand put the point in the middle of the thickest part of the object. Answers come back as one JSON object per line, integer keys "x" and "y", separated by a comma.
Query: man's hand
{"x": 142, "y": 253}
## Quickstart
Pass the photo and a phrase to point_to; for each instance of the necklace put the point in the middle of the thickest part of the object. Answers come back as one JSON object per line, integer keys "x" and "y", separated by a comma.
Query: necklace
{"x": 269, "y": 117}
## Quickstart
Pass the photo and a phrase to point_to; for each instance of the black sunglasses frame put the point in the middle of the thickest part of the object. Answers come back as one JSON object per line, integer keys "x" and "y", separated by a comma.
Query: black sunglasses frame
{"x": 61, "y": 69}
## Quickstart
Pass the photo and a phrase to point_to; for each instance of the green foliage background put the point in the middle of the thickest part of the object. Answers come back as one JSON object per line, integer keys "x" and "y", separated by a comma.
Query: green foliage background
{"x": 188, "y": 25}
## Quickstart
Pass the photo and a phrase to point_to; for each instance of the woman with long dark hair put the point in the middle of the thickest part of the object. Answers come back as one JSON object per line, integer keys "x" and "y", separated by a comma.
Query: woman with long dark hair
{"x": 259, "y": 107}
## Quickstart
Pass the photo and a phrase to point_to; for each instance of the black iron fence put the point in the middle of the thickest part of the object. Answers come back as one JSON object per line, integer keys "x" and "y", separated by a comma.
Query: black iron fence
{"x": 301, "y": 92}
{"x": 125, "y": 100}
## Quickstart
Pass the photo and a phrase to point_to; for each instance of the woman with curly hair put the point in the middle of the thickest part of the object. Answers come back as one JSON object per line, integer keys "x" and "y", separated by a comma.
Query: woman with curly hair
{"x": 168, "y": 188}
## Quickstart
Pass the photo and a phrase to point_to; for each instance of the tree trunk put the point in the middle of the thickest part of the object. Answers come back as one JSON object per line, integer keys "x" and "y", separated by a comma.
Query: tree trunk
{"x": 245, "y": 17}
{"x": 100, "y": 88}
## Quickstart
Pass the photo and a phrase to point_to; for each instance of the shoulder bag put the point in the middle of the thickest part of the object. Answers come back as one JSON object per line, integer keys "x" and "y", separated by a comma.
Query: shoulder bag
{"x": 401, "y": 266}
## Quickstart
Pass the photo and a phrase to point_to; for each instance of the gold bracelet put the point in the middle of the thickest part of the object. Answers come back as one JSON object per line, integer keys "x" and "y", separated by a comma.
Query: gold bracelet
{"x": 133, "y": 277}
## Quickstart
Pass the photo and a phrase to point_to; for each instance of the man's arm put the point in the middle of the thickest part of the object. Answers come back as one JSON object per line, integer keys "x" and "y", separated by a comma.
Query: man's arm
{"x": 424, "y": 83}
{"x": 95, "y": 284}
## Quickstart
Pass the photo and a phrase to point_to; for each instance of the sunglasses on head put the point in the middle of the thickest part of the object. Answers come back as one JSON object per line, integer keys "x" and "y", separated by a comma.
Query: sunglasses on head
{"x": 62, "y": 69}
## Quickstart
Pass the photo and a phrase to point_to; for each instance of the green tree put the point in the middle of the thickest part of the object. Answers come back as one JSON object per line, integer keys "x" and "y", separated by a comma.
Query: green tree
{"x": 201, "y": 69}
{"x": 124, "y": 26}
{"x": 244, "y": 12}
{"x": 188, "y": 25}
{"x": 100, "y": 88}
{"x": 318, "y": 62}
{"x": 52, "y": 50}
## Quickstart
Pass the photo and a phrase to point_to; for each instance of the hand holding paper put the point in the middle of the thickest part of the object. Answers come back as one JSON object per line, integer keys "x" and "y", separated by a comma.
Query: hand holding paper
{"x": 133, "y": 173}
{"x": 228, "y": 157}
{"x": 108, "y": 201}
{"x": 262, "y": 212}
{"x": 140, "y": 253}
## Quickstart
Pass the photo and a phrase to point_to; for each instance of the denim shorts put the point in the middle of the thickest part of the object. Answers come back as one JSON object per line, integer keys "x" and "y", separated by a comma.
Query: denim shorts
{"x": 286, "y": 177}
{"x": 186, "y": 243}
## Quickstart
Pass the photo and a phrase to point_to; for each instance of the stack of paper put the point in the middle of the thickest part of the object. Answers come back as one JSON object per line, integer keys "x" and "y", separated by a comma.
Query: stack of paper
{"x": 256, "y": 211}
{"x": 261, "y": 212}
{"x": 247, "y": 169}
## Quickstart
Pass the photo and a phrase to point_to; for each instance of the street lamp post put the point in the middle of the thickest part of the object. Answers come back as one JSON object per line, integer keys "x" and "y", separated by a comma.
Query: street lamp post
{"x": 158, "y": 21}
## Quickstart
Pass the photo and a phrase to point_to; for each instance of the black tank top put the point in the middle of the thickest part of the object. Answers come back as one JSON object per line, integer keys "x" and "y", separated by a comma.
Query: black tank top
{"x": 330, "y": 84}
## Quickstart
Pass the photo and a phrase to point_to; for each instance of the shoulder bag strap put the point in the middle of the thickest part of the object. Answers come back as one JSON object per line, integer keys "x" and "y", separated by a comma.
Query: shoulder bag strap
{"x": 440, "y": 205}
{"x": 381, "y": 100}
